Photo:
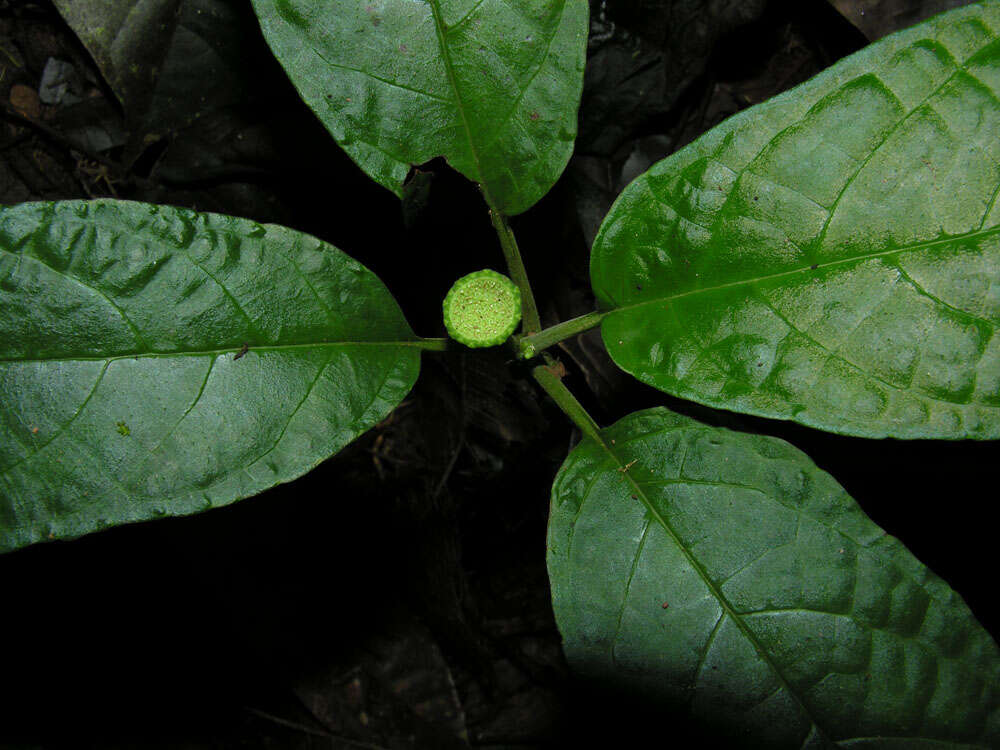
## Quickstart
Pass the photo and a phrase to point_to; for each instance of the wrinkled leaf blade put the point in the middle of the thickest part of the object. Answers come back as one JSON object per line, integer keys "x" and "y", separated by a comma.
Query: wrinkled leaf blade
{"x": 831, "y": 256}
{"x": 491, "y": 86}
{"x": 724, "y": 574}
{"x": 156, "y": 361}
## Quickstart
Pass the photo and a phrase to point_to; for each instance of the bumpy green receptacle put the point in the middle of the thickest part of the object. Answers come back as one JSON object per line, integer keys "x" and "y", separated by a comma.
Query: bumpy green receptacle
{"x": 482, "y": 309}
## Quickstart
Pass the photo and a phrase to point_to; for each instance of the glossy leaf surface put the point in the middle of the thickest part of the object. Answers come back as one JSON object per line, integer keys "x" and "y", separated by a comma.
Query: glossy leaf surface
{"x": 831, "y": 256}
{"x": 491, "y": 85}
{"x": 724, "y": 574}
{"x": 156, "y": 361}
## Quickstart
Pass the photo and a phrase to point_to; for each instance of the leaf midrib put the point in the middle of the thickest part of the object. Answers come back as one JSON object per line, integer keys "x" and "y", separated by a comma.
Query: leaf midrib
{"x": 959, "y": 68}
{"x": 415, "y": 343}
{"x": 818, "y": 266}
{"x": 861, "y": 544}
{"x": 439, "y": 27}
{"x": 5, "y": 470}
{"x": 727, "y": 607}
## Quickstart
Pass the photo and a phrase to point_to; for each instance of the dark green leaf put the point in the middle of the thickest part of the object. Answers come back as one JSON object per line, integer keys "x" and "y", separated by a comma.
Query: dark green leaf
{"x": 491, "y": 86}
{"x": 207, "y": 109}
{"x": 724, "y": 574}
{"x": 156, "y": 361}
{"x": 831, "y": 256}
{"x": 128, "y": 39}
{"x": 155, "y": 53}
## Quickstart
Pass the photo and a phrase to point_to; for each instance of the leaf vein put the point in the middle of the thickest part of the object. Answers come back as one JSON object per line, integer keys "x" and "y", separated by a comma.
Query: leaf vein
{"x": 975, "y": 234}
{"x": 298, "y": 406}
{"x": 125, "y": 318}
{"x": 989, "y": 207}
{"x": 467, "y": 16}
{"x": 835, "y": 353}
{"x": 706, "y": 579}
{"x": 225, "y": 292}
{"x": 64, "y": 426}
{"x": 459, "y": 102}
{"x": 520, "y": 97}
{"x": 197, "y": 398}
{"x": 885, "y": 139}
{"x": 416, "y": 343}
{"x": 628, "y": 586}
{"x": 703, "y": 656}
{"x": 386, "y": 81}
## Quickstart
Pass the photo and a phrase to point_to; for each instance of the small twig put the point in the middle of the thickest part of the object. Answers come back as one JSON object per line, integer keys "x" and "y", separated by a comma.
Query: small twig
{"x": 309, "y": 730}
{"x": 59, "y": 138}
{"x": 624, "y": 469}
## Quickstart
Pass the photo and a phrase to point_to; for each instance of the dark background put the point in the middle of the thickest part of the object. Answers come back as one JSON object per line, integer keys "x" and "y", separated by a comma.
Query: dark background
{"x": 397, "y": 597}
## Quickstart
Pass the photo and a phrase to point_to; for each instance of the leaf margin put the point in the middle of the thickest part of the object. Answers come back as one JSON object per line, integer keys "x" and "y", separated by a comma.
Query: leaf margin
{"x": 571, "y": 597}
{"x": 398, "y": 378}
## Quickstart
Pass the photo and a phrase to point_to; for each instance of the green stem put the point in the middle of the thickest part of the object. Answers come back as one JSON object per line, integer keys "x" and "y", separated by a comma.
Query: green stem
{"x": 529, "y": 346}
{"x": 529, "y": 311}
{"x": 434, "y": 345}
{"x": 566, "y": 401}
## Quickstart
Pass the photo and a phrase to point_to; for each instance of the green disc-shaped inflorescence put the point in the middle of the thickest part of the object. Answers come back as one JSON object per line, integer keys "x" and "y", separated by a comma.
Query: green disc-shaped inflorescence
{"x": 482, "y": 309}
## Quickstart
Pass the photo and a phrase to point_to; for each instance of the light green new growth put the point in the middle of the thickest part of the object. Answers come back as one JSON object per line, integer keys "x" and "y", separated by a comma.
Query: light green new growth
{"x": 482, "y": 309}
